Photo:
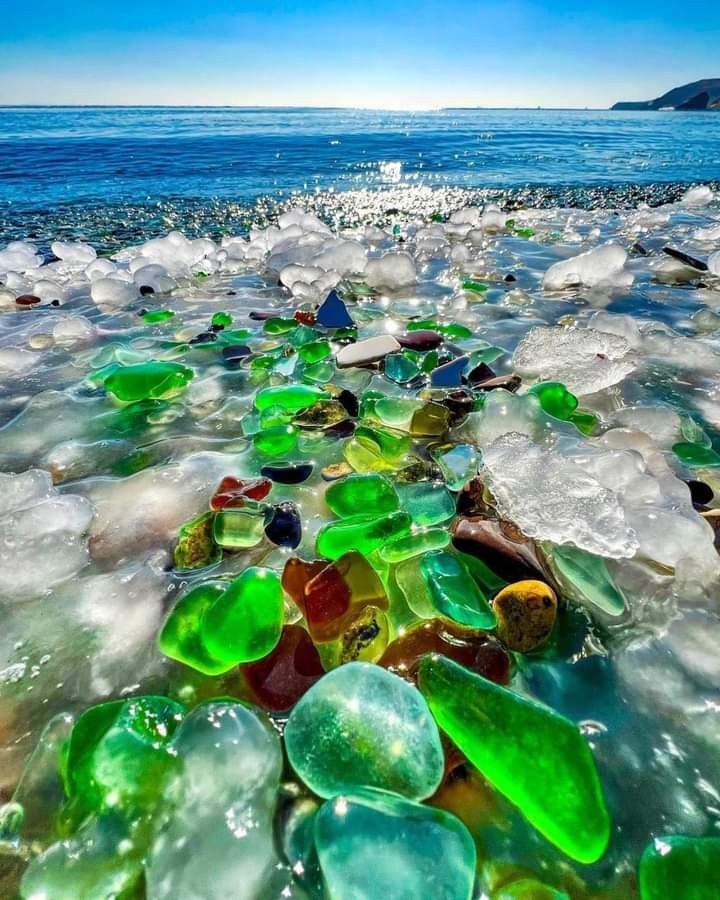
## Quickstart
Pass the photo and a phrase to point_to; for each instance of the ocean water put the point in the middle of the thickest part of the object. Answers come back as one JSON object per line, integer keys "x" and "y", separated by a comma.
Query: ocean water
{"x": 52, "y": 156}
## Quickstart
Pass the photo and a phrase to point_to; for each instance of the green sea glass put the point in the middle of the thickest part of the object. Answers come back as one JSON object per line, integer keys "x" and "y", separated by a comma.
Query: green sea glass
{"x": 427, "y": 502}
{"x": 245, "y": 622}
{"x": 401, "y": 368}
{"x": 680, "y": 868}
{"x": 277, "y": 325}
{"x": 535, "y": 757}
{"x": 180, "y": 636}
{"x": 155, "y": 316}
{"x": 238, "y": 529}
{"x": 221, "y": 320}
{"x": 363, "y": 726}
{"x": 696, "y": 454}
{"x": 555, "y": 399}
{"x": 362, "y": 533}
{"x": 453, "y": 591}
{"x": 277, "y": 440}
{"x": 118, "y": 754}
{"x": 148, "y": 381}
{"x": 587, "y": 578}
{"x": 415, "y": 545}
{"x": 374, "y": 844}
{"x": 314, "y": 351}
{"x": 290, "y": 398}
{"x": 371, "y": 495}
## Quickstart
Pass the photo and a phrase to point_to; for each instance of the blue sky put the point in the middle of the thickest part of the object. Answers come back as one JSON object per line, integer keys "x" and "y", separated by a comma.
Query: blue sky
{"x": 381, "y": 53}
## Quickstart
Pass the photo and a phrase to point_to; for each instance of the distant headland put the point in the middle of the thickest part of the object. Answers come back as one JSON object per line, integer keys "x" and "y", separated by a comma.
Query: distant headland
{"x": 699, "y": 95}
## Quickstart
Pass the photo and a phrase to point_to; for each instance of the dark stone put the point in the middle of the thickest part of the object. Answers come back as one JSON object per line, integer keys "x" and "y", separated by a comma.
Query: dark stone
{"x": 509, "y": 278}
{"x": 342, "y": 430}
{"x": 332, "y": 313}
{"x": 507, "y": 382}
{"x": 422, "y": 340}
{"x": 55, "y": 303}
{"x": 481, "y": 372}
{"x": 285, "y": 527}
{"x": 500, "y": 545}
{"x": 146, "y": 289}
{"x": 233, "y": 352}
{"x": 287, "y": 472}
{"x": 700, "y": 493}
{"x": 349, "y": 402}
{"x": 27, "y": 300}
{"x": 686, "y": 259}
{"x": 638, "y": 248}
{"x": 205, "y": 337}
{"x": 450, "y": 374}
{"x": 460, "y": 403}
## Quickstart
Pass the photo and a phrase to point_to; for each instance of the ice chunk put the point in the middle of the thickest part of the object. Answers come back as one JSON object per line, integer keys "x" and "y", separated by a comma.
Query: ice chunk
{"x": 154, "y": 276}
{"x": 23, "y": 490}
{"x": 217, "y": 838}
{"x": 15, "y": 362}
{"x": 112, "y": 292}
{"x": 43, "y": 545}
{"x": 551, "y": 498}
{"x": 391, "y": 272}
{"x": 714, "y": 262}
{"x": 697, "y": 197}
{"x": 19, "y": 257}
{"x": 73, "y": 253}
{"x": 72, "y": 330}
{"x": 601, "y": 267}
{"x": 583, "y": 359}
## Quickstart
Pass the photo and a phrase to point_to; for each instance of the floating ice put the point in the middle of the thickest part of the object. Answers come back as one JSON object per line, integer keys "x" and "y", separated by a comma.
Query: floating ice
{"x": 551, "y": 498}
{"x": 698, "y": 197}
{"x": 583, "y": 359}
{"x": 392, "y": 271}
{"x": 73, "y": 254}
{"x": 602, "y": 267}
{"x": 112, "y": 292}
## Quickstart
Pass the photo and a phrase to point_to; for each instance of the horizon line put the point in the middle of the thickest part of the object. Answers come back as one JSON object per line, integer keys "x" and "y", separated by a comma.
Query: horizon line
{"x": 280, "y": 106}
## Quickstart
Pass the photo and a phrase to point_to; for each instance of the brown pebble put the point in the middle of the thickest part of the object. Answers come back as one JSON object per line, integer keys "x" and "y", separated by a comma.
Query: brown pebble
{"x": 335, "y": 471}
{"x": 500, "y": 545}
{"x": 507, "y": 382}
{"x": 424, "y": 339}
{"x": 526, "y": 613}
{"x": 27, "y": 300}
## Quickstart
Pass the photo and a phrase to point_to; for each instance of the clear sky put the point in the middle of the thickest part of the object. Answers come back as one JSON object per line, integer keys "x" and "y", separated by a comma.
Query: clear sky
{"x": 381, "y": 53}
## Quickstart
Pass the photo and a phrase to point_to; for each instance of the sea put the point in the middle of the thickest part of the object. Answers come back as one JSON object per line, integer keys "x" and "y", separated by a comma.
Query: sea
{"x": 114, "y": 173}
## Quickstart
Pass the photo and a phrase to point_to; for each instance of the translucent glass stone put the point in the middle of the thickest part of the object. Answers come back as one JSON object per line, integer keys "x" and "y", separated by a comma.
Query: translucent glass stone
{"x": 239, "y": 529}
{"x": 681, "y": 868}
{"x": 362, "y": 533}
{"x": 454, "y": 592}
{"x": 289, "y": 397}
{"x": 362, "y": 494}
{"x": 375, "y": 844}
{"x": 148, "y": 381}
{"x": 362, "y": 726}
{"x": 535, "y": 757}
{"x": 180, "y": 636}
{"x": 427, "y": 502}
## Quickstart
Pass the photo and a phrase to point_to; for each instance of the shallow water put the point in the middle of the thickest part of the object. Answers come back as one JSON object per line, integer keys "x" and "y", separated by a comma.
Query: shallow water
{"x": 86, "y": 564}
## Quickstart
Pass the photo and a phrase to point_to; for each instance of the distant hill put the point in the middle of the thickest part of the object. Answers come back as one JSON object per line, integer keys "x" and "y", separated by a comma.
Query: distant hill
{"x": 698, "y": 95}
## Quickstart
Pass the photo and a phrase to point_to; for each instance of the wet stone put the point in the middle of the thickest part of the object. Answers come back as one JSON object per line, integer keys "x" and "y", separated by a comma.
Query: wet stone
{"x": 526, "y": 613}
{"x": 195, "y": 547}
{"x": 421, "y": 340}
{"x": 500, "y": 545}
{"x": 285, "y": 527}
{"x": 475, "y": 649}
{"x": 287, "y": 473}
{"x": 367, "y": 351}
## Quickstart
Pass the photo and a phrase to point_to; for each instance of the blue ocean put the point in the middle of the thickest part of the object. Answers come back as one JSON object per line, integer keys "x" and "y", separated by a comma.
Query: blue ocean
{"x": 76, "y": 169}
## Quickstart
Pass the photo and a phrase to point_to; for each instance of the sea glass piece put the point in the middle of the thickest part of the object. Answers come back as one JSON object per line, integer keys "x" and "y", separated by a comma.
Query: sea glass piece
{"x": 362, "y": 726}
{"x": 686, "y": 868}
{"x": 291, "y": 398}
{"x": 416, "y": 544}
{"x": 421, "y": 340}
{"x": 362, "y": 533}
{"x": 454, "y": 591}
{"x": 155, "y": 316}
{"x": 476, "y": 650}
{"x": 245, "y": 622}
{"x": 287, "y": 472}
{"x": 450, "y": 374}
{"x": 586, "y": 577}
{"x": 118, "y": 753}
{"x": 400, "y": 368}
{"x": 314, "y": 351}
{"x": 221, "y": 320}
{"x": 696, "y": 454}
{"x": 375, "y": 844}
{"x": 332, "y": 313}
{"x": 525, "y": 612}
{"x": 362, "y": 494}
{"x": 285, "y": 526}
{"x": 528, "y": 889}
{"x": 195, "y": 548}
{"x": 180, "y": 637}
{"x": 148, "y": 381}
{"x": 239, "y": 529}
{"x": 430, "y": 420}
{"x": 235, "y": 492}
{"x": 427, "y": 502}
{"x": 278, "y": 440}
{"x": 277, "y": 325}
{"x": 365, "y": 638}
{"x": 458, "y": 463}
{"x": 333, "y": 598}
{"x": 535, "y": 757}
{"x": 500, "y": 545}
{"x": 476, "y": 287}
{"x": 555, "y": 399}
{"x": 279, "y": 680}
